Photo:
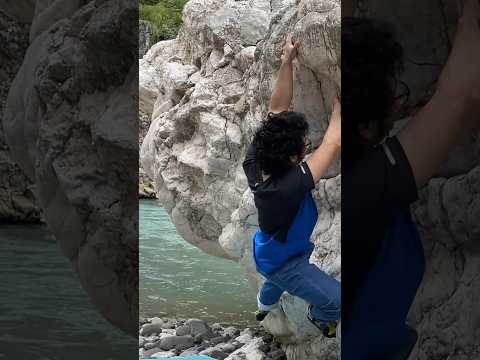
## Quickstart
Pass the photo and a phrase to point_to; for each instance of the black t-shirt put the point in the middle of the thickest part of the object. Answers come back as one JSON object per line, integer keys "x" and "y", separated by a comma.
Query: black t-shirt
{"x": 277, "y": 199}
{"x": 381, "y": 180}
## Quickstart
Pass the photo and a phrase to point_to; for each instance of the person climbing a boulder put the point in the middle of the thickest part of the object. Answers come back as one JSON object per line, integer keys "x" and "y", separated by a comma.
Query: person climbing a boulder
{"x": 282, "y": 182}
{"x": 382, "y": 254}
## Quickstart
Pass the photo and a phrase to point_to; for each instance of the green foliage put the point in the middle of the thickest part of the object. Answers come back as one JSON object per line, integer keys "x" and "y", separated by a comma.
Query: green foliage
{"x": 165, "y": 16}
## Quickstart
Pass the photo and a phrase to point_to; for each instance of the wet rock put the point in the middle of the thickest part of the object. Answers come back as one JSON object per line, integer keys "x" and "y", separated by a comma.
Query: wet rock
{"x": 149, "y": 329}
{"x": 199, "y": 328}
{"x": 231, "y": 331}
{"x": 183, "y": 330}
{"x": 176, "y": 342}
{"x": 218, "y": 340}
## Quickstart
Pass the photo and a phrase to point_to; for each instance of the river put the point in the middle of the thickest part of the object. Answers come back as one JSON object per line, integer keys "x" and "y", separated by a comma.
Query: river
{"x": 181, "y": 281}
{"x": 44, "y": 312}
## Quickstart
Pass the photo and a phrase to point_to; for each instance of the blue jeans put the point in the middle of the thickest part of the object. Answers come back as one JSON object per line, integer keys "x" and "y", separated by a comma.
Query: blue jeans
{"x": 300, "y": 278}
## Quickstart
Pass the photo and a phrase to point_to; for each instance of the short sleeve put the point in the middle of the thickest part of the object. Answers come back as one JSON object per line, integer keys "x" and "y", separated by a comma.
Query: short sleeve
{"x": 297, "y": 182}
{"x": 381, "y": 179}
{"x": 251, "y": 168}
{"x": 401, "y": 189}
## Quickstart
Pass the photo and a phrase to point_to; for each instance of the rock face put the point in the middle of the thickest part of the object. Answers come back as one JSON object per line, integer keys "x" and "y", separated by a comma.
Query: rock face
{"x": 17, "y": 201}
{"x": 145, "y": 37}
{"x": 146, "y": 190}
{"x": 71, "y": 125}
{"x": 21, "y": 10}
{"x": 207, "y": 91}
{"x": 446, "y": 311}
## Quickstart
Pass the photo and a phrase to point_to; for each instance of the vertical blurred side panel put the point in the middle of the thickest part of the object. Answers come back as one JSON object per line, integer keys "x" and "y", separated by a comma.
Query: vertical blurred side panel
{"x": 70, "y": 135}
{"x": 445, "y": 210}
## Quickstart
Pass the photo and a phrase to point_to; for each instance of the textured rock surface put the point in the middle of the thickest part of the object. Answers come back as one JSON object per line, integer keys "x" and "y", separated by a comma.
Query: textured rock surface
{"x": 145, "y": 34}
{"x": 446, "y": 311}
{"x": 196, "y": 337}
{"x": 146, "y": 188}
{"x": 207, "y": 91}
{"x": 20, "y": 10}
{"x": 17, "y": 201}
{"x": 70, "y": 123}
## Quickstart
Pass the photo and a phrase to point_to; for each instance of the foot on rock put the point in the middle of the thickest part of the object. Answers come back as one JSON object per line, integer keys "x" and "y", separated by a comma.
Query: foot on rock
{"x": 328, "y": 328}
{"x": 261, "y": 314}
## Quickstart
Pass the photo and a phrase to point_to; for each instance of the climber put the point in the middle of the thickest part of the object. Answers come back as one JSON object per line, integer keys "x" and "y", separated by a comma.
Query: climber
{"x": 281, "y": 182}
{"x": 382, "y": 255}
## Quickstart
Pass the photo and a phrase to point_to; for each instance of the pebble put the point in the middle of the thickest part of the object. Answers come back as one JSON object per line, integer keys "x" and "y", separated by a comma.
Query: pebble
{"x": 155, "y": 350}
{"x": 183, "y": 330}
{"x": 227, "y": 347}
{"x": 163, "y": 354}
{"x": 149, "y": 329}
{"x": 176, "y": 342}
{"x": 167, "y": 325}
{"x": 149, "y": 345}
{"x": 215, "y": 353}
{"x": 162, "y": 337}
{"x": 231, "y": 331}
{"x": 218, "y": 340}
{"x": 156, "y": 320}
{"x": 199, "y": 328}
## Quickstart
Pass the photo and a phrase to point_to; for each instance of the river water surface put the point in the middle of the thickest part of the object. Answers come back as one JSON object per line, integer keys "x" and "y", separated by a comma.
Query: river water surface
{"x": 44, "y": 312}
{"x": 180, "y": 280}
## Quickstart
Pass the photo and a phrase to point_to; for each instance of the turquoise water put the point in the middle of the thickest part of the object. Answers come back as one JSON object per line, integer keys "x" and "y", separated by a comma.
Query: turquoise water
{"x": 44, "y": 312}
{"x": 181, "y": 281}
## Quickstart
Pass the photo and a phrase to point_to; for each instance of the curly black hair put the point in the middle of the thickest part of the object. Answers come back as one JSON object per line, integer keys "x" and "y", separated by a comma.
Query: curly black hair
{"x": 371, "y": 56}
{"x": 279, "y": 137}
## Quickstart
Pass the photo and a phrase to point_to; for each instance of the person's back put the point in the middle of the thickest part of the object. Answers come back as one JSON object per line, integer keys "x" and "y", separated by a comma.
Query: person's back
{"x": 283, "y": 200}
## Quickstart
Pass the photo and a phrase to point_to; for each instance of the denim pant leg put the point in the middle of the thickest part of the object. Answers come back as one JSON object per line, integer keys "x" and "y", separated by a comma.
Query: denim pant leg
{"x": 304, "y": 280}
{"x": 268, "y": 296}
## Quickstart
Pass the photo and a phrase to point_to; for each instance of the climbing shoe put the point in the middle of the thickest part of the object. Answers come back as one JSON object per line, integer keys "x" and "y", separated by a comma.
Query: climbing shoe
{"x": 261, "y": 314}
{"x": 328, "y": 328}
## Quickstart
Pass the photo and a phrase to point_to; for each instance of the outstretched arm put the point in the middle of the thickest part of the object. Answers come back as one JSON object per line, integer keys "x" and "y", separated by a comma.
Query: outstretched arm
{"x": 329, "y": 149}
{"x": 427, "y": 138}
{"x": 283, "y": 91}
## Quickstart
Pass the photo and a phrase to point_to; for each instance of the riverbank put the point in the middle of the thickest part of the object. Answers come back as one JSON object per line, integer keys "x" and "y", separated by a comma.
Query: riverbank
{"x": 166, "y": 337}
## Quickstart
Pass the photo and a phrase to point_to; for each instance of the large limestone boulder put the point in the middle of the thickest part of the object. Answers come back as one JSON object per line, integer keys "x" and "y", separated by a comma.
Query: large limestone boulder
{"x": 210, "y": 90}
{"x": 446, "y": 311}
{"x": 70, "y": 123}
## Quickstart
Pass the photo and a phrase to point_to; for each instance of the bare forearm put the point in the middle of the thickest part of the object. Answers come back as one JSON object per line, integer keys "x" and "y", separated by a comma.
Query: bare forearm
{"x": 428, "y": 137}
{"x": 283, "y": 91}
{"x": 328, "y": 151}
{"x": 322, "y": 158}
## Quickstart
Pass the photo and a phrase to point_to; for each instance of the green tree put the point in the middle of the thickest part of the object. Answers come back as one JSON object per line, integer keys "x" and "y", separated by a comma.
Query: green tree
{"x": 165, "y": 16}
